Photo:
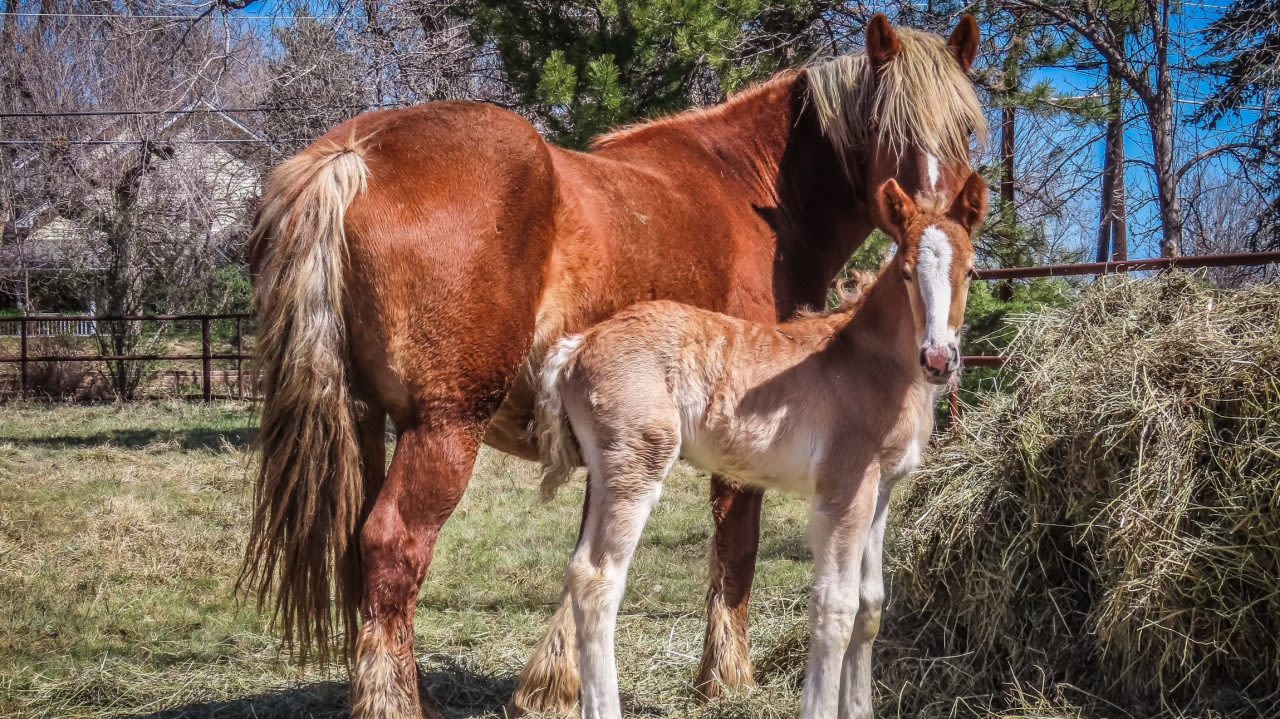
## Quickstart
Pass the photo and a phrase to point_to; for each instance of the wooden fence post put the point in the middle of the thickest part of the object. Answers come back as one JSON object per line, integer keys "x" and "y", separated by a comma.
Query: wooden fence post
{"x": 206, "y": 361}
{"x": 22, "y": 323}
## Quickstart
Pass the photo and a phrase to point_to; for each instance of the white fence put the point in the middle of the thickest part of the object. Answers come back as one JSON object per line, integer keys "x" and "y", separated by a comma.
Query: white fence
{"x": 49, "y": 326}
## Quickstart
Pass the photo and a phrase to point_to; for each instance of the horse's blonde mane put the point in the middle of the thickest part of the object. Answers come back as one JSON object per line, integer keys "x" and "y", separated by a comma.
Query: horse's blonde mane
{"x": 921, "y": 98}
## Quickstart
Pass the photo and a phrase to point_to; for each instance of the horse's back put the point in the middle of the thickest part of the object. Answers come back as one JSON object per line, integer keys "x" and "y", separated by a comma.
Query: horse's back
{"x": 447, "y": 250}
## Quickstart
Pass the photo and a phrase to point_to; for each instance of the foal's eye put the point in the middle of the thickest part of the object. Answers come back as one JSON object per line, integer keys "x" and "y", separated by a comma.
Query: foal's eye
{"x": 907, "y": 274}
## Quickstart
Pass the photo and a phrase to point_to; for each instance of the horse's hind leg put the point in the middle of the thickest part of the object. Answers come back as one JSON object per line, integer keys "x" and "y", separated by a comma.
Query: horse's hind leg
{"x": 549, "y": 682}
{"x": 429, "y": 471}
{"x": 726, "y": 649}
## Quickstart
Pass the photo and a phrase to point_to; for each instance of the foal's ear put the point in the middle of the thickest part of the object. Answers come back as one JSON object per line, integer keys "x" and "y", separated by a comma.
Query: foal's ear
{"x": 963, "y": 43}
{"x": 896, "y": 208}
{"x": 882, "y": 41}
{"x": 970, "y": 206}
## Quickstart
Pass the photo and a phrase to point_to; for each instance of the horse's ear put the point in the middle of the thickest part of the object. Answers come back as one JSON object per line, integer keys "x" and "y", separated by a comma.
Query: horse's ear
{"x": 897, "y": 209}
{"x": 882, "y": 41}
{"x": 963, "y": 43}
{"x": 970, "y": 206}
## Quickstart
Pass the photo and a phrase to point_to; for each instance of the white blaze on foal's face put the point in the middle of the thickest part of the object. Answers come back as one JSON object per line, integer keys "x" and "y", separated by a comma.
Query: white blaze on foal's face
{"x": 940, "y": 348}
{"x": 936, "y": 256}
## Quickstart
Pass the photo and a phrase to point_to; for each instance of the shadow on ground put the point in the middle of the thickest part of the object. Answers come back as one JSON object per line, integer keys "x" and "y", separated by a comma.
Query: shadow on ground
{"x": 186, "y": 439}
{"x": 460, "y": 692}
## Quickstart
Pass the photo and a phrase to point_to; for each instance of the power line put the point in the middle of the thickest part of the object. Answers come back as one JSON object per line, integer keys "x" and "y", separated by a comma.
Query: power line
{"x": 243, "y": 141}
{"x": 110, "y": 16}
{"x": 190, "y": 111}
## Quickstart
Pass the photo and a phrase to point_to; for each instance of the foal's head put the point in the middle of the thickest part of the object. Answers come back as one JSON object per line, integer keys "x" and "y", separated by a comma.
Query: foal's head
{"x": 935, "y": 260}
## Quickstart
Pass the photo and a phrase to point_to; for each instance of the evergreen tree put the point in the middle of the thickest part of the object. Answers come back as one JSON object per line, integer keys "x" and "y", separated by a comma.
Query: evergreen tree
{"x": 585, "y": 66}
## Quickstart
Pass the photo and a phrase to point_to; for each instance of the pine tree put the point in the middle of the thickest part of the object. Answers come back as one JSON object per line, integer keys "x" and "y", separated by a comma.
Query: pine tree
{"x": 584, "y": 66}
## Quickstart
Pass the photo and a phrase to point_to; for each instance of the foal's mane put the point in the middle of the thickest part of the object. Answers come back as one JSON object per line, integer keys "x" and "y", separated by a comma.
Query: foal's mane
{"x": 851, "y": 292}
{"x": 921, "y": 98}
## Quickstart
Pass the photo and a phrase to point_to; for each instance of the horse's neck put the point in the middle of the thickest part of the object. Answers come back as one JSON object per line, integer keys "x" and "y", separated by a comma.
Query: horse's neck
{"x": 768, "y": 144}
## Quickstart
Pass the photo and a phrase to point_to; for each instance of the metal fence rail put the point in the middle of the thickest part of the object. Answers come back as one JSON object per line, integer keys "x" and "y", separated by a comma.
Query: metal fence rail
{"x": 24, "y": 359}
{"x": 33, "y": 326}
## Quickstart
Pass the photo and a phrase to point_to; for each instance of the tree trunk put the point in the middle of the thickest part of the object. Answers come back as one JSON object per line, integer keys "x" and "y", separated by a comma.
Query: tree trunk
{"x": 1166, "y": 177}
{"x": 1160, "y": 111}
{"x": 1112, "y": 225}
{"x": 1008, "y": 127}
{"x": 1106, "y": 198}
{"x": 1119, "y": 208}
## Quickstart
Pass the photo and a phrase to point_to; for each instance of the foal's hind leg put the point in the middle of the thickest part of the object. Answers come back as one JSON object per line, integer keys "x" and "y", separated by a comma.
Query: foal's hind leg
{"x": 627, "y": 480}
{"x": 428, "y": 474}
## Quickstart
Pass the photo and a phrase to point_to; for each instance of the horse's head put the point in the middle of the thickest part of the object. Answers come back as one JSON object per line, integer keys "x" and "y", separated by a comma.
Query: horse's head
{"x": 905, "y": 110}
{"x": 935, "y": 260}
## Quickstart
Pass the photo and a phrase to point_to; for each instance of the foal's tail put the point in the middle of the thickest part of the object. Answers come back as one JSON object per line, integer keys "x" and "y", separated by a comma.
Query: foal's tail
{"x": 557, "y": 447}
{"x": 309, "y": 490}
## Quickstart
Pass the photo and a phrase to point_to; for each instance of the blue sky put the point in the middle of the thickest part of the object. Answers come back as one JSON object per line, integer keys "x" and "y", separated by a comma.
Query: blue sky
{"x": 1190, "y": 88}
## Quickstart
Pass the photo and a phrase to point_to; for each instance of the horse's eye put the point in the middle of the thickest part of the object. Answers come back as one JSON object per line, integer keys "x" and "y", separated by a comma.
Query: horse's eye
{"x": 907, "y": 274}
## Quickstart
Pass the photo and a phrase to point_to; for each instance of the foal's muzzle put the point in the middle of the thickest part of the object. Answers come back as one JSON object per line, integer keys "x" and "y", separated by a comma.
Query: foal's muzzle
{"x": 939, "y": 360}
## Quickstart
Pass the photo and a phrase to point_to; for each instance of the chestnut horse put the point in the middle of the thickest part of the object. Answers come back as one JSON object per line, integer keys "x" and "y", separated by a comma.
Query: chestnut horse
{"x": 834, "y": 407}
{"x": 417, "y": 264}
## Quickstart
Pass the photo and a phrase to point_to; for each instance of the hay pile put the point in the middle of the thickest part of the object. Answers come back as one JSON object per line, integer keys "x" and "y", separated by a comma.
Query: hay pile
{"x": 1104, "y": 541}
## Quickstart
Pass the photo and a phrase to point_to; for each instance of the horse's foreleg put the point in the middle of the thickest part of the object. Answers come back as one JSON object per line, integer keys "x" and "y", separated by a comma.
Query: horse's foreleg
{"x": 726, "y": 650}
{"x": 838, "y": 530}
{"x": 428, "y": 474}
{"x": 855, "y": 679}
{"x": 549, "y": 682}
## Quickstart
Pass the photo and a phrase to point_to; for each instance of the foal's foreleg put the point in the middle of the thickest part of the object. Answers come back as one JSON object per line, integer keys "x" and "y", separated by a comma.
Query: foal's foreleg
{"x": 855, "y": 681}
{"x": 838, "y": 527}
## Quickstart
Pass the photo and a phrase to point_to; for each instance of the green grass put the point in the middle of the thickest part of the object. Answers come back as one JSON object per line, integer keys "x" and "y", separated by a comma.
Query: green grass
{"x": 121, "y": 532}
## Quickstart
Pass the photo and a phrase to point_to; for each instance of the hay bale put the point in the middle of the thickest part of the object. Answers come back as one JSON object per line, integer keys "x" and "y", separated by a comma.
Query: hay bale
{"x": 1105, "y": 539}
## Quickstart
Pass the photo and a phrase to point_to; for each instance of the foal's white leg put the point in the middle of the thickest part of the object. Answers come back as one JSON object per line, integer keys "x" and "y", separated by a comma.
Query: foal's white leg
{"x": 620, "y": 505}
{"x": 838, "y": 532}
{"x": 855, "y": 683}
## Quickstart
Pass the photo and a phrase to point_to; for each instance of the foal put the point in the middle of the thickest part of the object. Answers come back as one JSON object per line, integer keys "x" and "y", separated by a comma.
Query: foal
{"x": 836, "y": 407}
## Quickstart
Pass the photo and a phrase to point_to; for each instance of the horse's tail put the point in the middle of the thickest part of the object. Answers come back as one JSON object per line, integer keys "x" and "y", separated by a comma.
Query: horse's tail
{"x": 557, "y": 447}
{"x": 309, "y": 491}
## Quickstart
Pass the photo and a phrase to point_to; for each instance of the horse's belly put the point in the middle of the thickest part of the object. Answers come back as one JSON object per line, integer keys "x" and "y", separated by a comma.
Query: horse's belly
{"x": 509, "y": 429}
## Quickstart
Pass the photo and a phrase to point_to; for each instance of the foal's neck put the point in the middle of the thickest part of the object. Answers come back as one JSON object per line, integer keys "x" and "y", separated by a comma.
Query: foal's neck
{"x": 882, "y": 324}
